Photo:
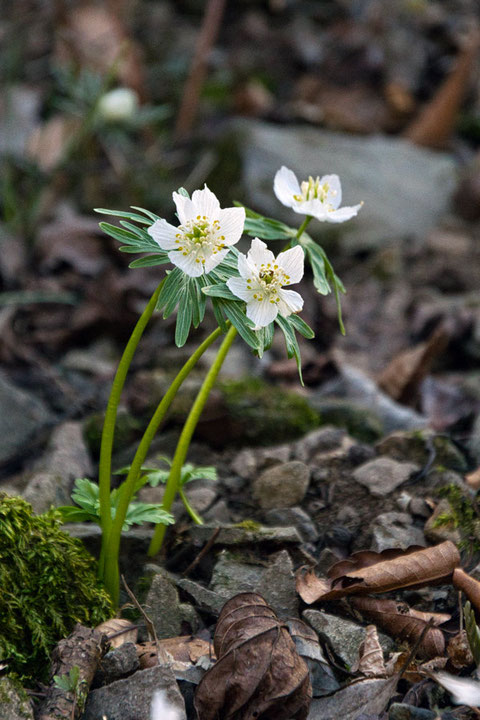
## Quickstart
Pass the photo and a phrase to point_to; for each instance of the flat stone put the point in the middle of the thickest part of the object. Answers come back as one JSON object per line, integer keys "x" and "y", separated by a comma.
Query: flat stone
{"x": 14, "y": 701}
{"x": 206, "y": 599}
{"x": 232, "y": 575}
{"x": 165, "y": 609}
{"x": 277, "y": 585}
{"x": 395, "y": 530}
{"x": 320, "y": 440}
{"x": 382, "y": 475}
{"x": 293, "y": 516}
{"x": 401, "y": 711}
{"x": 118, "y": 663}
{"x": 282, "y": 485}
{"x": 389, "y": 174}
{"x": 231, "y": 535}
{"x": 344, "y": 636}
{"x": 24, "y": 420}
{"x": 131, "y": 698}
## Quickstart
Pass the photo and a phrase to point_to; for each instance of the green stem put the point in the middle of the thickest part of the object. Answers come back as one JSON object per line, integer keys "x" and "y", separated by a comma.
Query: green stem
{"x": 190, "y": 510}
{"x": 128, "y": 487}
{"x": 173, "y": 481}
{"x": 108, "y": 431}
{"x": 303, "y": 227}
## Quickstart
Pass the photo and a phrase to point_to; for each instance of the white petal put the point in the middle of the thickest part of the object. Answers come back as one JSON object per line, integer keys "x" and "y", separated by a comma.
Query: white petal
{"x": 161, "y": 709}
{"x": 464, "y": 690}
{"x": 164, "y": 234}
{"x": 341, "y": 215}
{"x": 214, "y": 259}
{"x": 334, "y": 195}
{"x": 259, "y": 254}
{"x": 291, "y": 261}
{"x": 238, "y": 286}
{"x": 206, "y": 203}
{"x": 262, "y": 313}
{"x": 185, "y": 207}
{"x": 291, "y": 299}
{"x": 187, "y": 263}
{"x": 285, "y": 186}
{"x": 231, "y": 222}
{"x": 244, "y": 267}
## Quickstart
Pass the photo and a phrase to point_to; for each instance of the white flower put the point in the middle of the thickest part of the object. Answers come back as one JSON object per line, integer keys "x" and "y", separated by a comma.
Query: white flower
{"x": 161, "y": 709}
{"x": 464, "y": 690}
{"x": 205, "y": 234}
{"x": 320, "y": 198}
{"x": 118, "y": 105}
{"x": 261, "y": 282}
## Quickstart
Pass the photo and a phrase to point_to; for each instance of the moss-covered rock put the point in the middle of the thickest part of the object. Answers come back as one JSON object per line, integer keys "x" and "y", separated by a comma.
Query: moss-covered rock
{"x": 258, "y": 413}
{"x": 48, "y": 583}
{"x": 422, "y": 446}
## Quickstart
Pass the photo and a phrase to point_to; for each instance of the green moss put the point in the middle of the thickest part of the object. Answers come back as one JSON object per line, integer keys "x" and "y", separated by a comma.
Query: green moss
{"x": 249, "y": 525}
{"x": 263, "y": 414}
{"x": 462, "y": 516}
{"x": 48, "y": 583}
{"x": 127, "y": 429}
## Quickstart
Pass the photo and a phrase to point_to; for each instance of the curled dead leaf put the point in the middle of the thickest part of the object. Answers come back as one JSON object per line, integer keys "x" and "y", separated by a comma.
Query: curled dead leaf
{"x": 259, "y": 673}
{"x": 370, "y": 661}
{"x": 398, "y": 620}
{"x": 182, "y": 649}
{"x": 118, "y": 631}
{"x": 469, "y": 586}
{"x": 368, "y": 571}
{"x": 458, "y": 651}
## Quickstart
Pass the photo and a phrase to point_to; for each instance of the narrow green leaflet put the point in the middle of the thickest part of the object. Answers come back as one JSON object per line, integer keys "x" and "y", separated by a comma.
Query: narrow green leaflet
{"x": 135, "y": 239}
{"x": 184, "y": 318}
{"x": 240, "y": 321}
{"x": 473, "y": 632}
{"x": 149, "y": 260}
{"x": 324, "y": 276}
{"x": 293, "y": 349}
{"x": 301, "y": 326}
{"x": 219, "y": 291}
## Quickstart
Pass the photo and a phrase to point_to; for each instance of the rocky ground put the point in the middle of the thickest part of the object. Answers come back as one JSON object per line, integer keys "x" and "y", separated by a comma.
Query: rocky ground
{"x": 380, "y": 450}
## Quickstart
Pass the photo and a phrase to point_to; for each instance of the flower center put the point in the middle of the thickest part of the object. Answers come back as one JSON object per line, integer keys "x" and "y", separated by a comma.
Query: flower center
{"x": 201, "y": 237}
{"x": 312, "y": 190}
{"x": 270, "y": 280}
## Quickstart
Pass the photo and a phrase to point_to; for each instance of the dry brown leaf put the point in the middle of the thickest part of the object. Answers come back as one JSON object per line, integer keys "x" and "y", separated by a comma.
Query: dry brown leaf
{"x": 435, "y": 124}
{"x": 398, "y": 620}
{"x": 94, "y": 37}
{"x": 368, "y": 571}
{"x": 468, "y": 585}
{"x": 370, "y": 662}
{"x": 118, "y": 631}
{"x": 183, "y": 649}
{"x": 458, "y": 651}
{"x": 258, "y": 669}
{"x": 402, "y": 377}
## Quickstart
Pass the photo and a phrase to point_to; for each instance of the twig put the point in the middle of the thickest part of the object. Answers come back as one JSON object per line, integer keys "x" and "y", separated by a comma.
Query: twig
{"x": 193, "y": 86}
{"x": 208, "y": 545}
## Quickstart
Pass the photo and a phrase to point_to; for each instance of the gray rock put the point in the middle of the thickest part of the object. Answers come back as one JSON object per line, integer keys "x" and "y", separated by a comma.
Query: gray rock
{"x": 244, "y": 534}
{"x": 206, "y": 599}
{"x": 354, "y": 385}
{"x": 201, "y": 496}
{"x": 401, "y": 711}
{"x": 395, "y": 530}
{"x": 388, "y": 174}
{"x": 218, "y": 513}
{"x": 344, "y": 636}
{"x": 165, "y": 609}
{"x": 382, "y": 475}
{"x": 250, "y": 460}
{"x": 282, "y": 485}
{"x": 232, "y": 575}
{"x": 131, "y": 698}
{"x": 14, "y": 701}
{"x": 277, "y": 585}
{"x": 23, "y": 420}
{"x": 65, "y": 459}
{"x": 440, "y": 533}
{"x": 418, "y": 447}
{"x": 327, "y": 558}
{"x": 320, "y": 440}
{"x": 293, "y": 516}
{"x": 119, "y": 663}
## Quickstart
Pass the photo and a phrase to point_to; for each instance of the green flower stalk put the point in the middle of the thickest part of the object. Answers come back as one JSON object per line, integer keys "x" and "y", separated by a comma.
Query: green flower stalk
{"x": 173, "y": 482}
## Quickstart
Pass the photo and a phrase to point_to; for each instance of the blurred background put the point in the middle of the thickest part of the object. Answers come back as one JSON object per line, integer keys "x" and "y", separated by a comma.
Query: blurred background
{"x": 114, "y": 104}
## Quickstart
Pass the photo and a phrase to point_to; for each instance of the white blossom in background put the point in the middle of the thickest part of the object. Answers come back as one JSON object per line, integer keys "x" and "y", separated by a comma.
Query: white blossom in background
{"x": 261, "y": 282}
{"x": 464, "y": 690}
{"x": 205, "y": 234}
{"x": 118, "y": 105}
{"x": 161, "y": 709}
{"x": 319, "y": 197}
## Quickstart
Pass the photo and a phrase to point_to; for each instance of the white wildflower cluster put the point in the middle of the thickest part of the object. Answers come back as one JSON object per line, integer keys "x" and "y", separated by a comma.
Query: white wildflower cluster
{"x": 207, "y": 233}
